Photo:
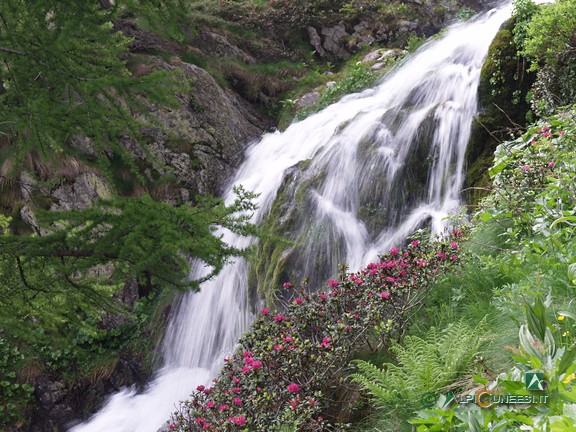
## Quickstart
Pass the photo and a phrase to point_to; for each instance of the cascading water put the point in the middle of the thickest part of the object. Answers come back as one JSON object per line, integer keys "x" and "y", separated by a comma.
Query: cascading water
{"x": 397, "y": 149}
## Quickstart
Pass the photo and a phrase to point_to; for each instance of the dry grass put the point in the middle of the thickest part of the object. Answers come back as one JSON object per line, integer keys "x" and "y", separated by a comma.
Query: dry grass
{"x": 255, "y": 86}
{"x": 67, "y": 167}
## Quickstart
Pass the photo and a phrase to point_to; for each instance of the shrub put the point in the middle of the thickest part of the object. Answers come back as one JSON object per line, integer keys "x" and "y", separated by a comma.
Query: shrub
{"x": 546, "y": 36}
{"x": 534, "y": 193}
{"x": 13, "y": 394}
{"x": 287, "y": 369}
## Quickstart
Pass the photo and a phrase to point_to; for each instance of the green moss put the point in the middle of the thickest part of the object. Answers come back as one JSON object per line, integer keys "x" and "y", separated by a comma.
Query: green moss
{"x": 504, "y": 83}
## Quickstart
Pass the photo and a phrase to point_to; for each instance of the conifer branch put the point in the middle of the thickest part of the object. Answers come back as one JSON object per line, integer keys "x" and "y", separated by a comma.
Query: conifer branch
{"x": 12, "y": 51}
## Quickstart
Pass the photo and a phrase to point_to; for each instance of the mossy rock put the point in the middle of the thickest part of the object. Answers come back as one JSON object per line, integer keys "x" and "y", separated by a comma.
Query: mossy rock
{"x": 504, "y": 83}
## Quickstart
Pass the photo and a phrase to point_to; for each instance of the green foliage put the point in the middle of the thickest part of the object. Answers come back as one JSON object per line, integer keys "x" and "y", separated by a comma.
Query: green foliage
{"x": 176, "y": 19}
{"x": 523, "y": 12}
{"x": 542, "y": 350}
{"x": 532, "y": 186}
{"x": 357, "y": 79}
{"x": 550, "y": 32}
{"x": 423, "y": 365}
{"x": 545, "y": 35}
{"x": 519, "y": 255}
{"x": 63, "y": 75}
{"x": 465, "y": 13}
{"x": 414, "y": 42}
{"x": 86, "y": 254}
{"x": 13, "y": 394}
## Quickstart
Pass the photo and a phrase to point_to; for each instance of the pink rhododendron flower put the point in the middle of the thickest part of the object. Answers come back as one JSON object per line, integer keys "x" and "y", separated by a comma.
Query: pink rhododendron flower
{"x": 415, "y": 243}
{"x": 525, "y": 168}
{"x": 323, "y": 296}
{"x": 286, "y": 284}
{"x": 257, "y": 364}
{"x": 265, "y": 311}
{"x": 325, "y": 343}
{"x": 200, "y": 387}
{"x": 237, "y": 401}
{"x": 551, "y": 164}
{"x": 277, "y": 347}
{"x": 454, "y": 257}
{"x": 390, "y": 279}
{"x": 441, "y": 255}
{"x": 293, "y": 388}
{"x": 223, "y": 407}
{"x": 246, "y": 369}
{"x": 239, "y": 420}
{"x": 394, "y": 251}
{"x": 454, "y": 245}
{"x": 236, "y": 389}
{"x": 279, "y": 318}
{"x": 172, "y": 426}
{"x": 298, "y": 300}
{"x": 332, "y": 283}
{"x": 236, "y": 380}
{"x": 385, "y": 295}
{"x": 210, "y": 404}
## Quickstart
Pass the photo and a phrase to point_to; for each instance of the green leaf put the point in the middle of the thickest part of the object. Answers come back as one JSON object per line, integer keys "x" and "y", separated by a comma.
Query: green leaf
{"x": 498, "y": 168}
{"x": 480, "y": 379}
{"x": 572, "y": 273}
{"x": 569, "y": 396}
{"x": 563, "y": 219}
{"x": 536, "y": 319}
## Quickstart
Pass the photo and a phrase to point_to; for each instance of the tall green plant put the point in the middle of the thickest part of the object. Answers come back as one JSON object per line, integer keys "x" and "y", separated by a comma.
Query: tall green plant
{"x": 423, "y": 364}
{"x": 541, "y": 350}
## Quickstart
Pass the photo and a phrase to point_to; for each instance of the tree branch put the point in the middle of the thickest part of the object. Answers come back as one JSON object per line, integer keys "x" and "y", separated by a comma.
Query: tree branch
{"x": 12, "y": 51}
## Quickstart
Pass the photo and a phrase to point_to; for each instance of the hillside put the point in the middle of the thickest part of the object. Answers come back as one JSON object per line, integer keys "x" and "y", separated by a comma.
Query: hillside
{"x": 116, "y": 133}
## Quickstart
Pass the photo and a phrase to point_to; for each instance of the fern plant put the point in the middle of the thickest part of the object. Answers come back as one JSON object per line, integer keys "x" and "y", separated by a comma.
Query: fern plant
{"x": 423, "y": 364}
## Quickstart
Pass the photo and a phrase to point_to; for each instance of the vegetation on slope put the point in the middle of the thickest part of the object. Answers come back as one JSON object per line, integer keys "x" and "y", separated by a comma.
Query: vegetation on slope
{"x": 54, "y": 90}
{"x": 288, "y": 370}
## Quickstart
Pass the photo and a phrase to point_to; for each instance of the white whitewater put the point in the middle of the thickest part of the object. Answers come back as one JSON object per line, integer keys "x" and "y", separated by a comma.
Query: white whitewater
{"x": 361, "y": 145}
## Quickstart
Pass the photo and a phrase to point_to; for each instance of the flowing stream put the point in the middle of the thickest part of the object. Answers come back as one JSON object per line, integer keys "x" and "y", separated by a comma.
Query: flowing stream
{"x": 384, "y": 162}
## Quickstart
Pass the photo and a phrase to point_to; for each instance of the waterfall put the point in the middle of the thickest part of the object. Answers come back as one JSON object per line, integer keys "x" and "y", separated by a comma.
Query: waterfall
{"x": 396, "y": 149}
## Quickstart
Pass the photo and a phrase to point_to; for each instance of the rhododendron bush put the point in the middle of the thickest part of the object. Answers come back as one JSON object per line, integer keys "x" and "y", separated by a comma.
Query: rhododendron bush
{"x": 287, "y": 371}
